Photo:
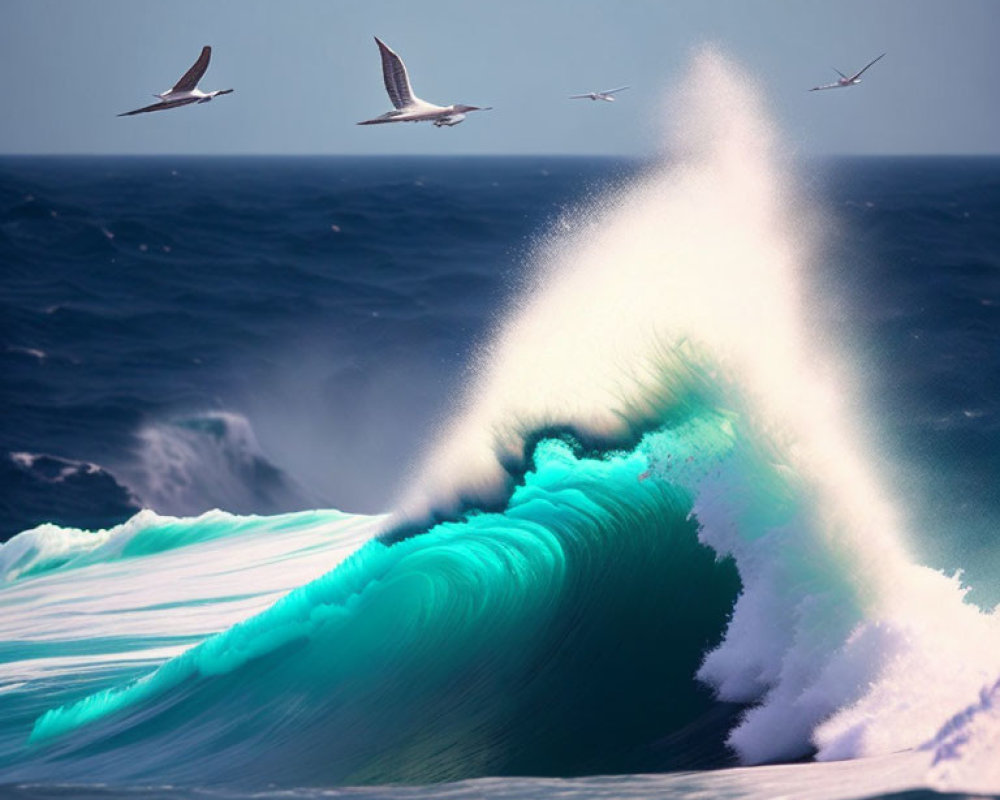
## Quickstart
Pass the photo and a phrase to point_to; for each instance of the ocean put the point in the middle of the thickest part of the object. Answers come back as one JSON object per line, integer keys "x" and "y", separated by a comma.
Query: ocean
{"x": 502, "y": 476}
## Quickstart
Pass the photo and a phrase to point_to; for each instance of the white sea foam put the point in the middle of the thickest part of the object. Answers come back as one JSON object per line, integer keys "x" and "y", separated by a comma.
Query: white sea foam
{"x": 50, "y": 546}
{"x": 53, "y": 469}
{"x": 34, "y": 352}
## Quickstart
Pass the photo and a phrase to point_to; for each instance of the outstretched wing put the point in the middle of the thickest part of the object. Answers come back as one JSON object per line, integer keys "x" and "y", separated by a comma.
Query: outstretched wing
{"x": 397, "y": 82}
{"x": 619, "y": 89}
{"x": 389, "y": 116}
{"x": 827, "y": 86}
{"x": 190, "y": 79}
{"x": 858, "y": 74}
{"x": 161, "y": 106}
{"x": 580, "y": 96}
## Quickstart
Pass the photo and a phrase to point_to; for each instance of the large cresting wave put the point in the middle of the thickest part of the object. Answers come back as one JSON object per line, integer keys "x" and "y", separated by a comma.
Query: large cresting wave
{"x": 652, "y": 536}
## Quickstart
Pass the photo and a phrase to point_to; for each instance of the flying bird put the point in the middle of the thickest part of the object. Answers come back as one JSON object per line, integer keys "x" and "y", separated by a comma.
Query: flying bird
{"x": 846, "y": 81}
{"x": 408, "y": 107}
{"x": 605, "y": 96}
{"x": 186, "y": 90}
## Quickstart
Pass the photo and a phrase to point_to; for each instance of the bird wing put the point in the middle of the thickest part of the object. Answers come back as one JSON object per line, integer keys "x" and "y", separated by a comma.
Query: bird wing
{"x": 161, "y": 106}
{"x": 837, "y": 85}
{"x": 420, "y": 112}
{"x": 619, "y": 89}
{"x": 190, "y": 78}
{"x": 841, "y": 74}
{"x": 580, "y": 96}
{"x": 389, "y": 116}
{"x": 858, "y": 74}
{"x": 397, "y": 82}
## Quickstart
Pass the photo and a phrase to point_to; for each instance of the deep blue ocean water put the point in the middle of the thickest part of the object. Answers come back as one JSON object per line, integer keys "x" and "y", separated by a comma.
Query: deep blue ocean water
{"x": 300, "y": 320}
{"x": 264, "y": 336}
{"x": 275, "y": 334}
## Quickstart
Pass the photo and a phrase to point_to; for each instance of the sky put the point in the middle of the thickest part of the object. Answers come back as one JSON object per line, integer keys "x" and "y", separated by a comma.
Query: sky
{"x": 304, "y": 71}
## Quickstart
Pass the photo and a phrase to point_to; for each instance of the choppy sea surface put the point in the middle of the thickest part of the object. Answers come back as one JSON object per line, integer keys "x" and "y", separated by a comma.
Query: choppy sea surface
{"x": 503, "y": 477}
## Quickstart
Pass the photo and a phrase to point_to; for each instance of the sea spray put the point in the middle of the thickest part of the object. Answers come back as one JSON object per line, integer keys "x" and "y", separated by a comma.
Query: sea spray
{"x": 189, "y": 463}
{"x": 704, "y": 252}
{"x": 707, "y": 256}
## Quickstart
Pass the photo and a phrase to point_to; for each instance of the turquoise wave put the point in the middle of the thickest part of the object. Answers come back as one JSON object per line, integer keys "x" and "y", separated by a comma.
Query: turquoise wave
{"x": 558, "y": 636}
{"x": 49, "y": 548}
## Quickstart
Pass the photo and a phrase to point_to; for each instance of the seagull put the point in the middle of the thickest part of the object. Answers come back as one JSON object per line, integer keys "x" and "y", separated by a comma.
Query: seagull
{"x": 186, "y": 90}
{"x": 844, "y": 80}
{"x": 605, "y": 96}
{"x": 409, "y": 107}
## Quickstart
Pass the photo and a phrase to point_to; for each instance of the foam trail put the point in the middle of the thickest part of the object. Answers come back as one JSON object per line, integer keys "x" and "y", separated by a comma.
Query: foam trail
{"x": 689, "y": 284}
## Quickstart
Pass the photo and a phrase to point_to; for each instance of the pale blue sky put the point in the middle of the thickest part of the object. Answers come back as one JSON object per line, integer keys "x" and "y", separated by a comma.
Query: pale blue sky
{"x": 305, "y": 71}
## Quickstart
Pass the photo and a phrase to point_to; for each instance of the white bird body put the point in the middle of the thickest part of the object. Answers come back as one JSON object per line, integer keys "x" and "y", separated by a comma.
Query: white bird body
{"x": 185, "y": 91}
{"x": 195, "y": 95}
{"x": 845, "y": 80}
{"x": 407, "y": 106}
{"x": 607, "y": 96}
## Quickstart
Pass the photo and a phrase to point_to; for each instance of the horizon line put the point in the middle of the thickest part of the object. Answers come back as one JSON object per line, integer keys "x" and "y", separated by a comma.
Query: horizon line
{"x": 636, "y": 156}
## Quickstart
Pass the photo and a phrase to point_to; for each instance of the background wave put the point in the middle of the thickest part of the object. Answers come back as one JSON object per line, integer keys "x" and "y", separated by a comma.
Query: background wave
{"x": 197, "y": 461}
